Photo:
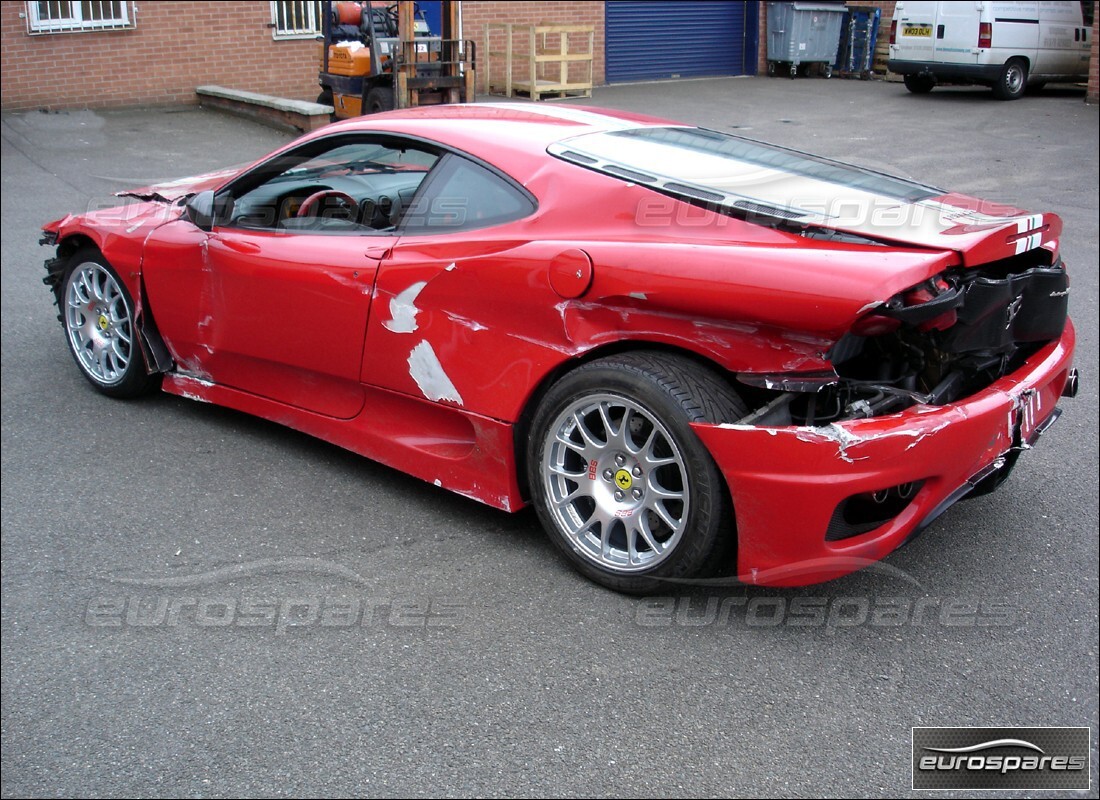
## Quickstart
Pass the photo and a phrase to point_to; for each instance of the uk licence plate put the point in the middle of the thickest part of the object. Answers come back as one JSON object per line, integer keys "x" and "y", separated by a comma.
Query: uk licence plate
{"x": 917, "y": 30}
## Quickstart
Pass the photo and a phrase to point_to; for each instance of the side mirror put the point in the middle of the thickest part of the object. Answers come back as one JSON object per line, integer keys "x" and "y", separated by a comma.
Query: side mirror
{"x": 205, "y": 209}
{"x": 200, "y": 210}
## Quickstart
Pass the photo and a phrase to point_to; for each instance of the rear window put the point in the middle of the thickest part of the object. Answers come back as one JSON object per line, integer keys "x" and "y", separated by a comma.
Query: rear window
{"x": 715, "y": 167}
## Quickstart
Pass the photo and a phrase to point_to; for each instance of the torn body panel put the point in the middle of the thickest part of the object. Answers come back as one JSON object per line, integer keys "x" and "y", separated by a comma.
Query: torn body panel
{"x": 262, "y": 312}
{"x": 171, "y": 191}
{"x": 490, "y": 310}
{"x": 788, "y": 482}
{"x": 119, "y": 234}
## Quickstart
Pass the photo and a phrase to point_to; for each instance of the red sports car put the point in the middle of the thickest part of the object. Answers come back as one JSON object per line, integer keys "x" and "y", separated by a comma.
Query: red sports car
{"x": 678, "y": 344}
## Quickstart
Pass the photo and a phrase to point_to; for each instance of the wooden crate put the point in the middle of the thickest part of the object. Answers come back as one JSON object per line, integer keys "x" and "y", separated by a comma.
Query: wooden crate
{"x": 531, "y": 49}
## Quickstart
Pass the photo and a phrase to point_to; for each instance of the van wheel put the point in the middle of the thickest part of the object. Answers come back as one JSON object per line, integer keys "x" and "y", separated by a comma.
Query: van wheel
{"x": 920, "y": 84}
{"x": 1012, "y": 81}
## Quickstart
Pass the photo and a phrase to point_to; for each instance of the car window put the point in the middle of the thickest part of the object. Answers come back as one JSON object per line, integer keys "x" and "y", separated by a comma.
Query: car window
{"x": 350, "y": 185}
{"x": 464, "y": 195}
{"x": 733, "y": 173}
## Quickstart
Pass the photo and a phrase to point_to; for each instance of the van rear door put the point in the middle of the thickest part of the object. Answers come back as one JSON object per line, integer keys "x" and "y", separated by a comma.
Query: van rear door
{"x": 916, "y": 26}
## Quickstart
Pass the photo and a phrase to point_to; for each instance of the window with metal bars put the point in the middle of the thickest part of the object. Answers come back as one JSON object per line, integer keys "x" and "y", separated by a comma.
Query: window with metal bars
{"x": 52, "y": 16}
{"x": 296, "y": 19}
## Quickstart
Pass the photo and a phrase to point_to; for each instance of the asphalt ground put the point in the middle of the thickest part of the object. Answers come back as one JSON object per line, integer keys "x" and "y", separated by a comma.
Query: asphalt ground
{"x": 197, "y": 603}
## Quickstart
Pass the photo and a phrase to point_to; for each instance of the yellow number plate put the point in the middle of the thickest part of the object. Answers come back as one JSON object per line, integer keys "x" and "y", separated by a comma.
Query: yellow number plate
{"x": 917, "y": 30}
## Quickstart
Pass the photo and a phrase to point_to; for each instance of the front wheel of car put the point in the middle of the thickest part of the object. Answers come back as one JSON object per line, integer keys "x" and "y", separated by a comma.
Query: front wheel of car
{"x": 97, "y": 313}
{"x": 621, "y": 483}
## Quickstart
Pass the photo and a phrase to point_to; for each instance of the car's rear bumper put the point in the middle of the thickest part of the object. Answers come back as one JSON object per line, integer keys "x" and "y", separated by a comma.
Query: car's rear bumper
{"x": 787, "y": 482}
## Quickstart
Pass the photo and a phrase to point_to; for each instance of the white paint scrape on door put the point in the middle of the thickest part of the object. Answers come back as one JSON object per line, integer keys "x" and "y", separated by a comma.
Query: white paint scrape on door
{"x": 425, "y": 369}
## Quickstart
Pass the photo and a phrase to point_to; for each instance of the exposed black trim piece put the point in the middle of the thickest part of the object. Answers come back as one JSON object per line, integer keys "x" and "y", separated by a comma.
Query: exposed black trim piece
{"x": 1019, "y": 20}
{"x": 959, "y": 73}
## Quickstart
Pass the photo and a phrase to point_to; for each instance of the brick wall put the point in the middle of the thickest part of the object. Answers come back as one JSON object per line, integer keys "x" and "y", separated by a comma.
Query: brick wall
{"x": 887, "y": 7}
{"x": 476, "y": 13}
{"x": 1094, "y": 61}
{"x": 176, "y": 46}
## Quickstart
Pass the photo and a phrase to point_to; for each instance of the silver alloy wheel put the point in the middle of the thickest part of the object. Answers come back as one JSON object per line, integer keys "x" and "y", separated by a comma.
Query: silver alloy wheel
{"x": 616, "y": 482}
{"x": 97, "y": 319}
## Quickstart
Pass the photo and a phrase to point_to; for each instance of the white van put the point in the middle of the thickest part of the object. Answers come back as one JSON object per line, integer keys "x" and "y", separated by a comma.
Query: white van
{"x": 1009, "y": 46}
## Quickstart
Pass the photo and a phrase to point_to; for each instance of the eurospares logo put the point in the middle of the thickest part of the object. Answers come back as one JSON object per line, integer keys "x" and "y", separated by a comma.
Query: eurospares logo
{"x": 1001, "y": 758}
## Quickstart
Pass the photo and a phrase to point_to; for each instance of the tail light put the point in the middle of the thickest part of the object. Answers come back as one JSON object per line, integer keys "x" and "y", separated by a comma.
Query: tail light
{"x": 893, "y": 31}
{"x": 985, "y": 34}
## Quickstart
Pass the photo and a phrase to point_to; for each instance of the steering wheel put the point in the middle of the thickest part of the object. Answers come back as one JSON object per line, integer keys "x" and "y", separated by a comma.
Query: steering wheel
{"x": 306, "y": 209}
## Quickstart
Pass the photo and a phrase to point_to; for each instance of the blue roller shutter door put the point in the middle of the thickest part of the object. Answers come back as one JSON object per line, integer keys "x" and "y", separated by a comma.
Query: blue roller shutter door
{"x": 654, "y": 39}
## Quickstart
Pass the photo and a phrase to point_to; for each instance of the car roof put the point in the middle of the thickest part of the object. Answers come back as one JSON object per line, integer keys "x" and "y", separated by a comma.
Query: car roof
{"x": 514, "y": 136}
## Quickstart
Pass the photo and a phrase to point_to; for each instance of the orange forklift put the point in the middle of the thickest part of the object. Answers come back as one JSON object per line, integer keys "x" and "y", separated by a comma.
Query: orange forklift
{"x": 377, "y": 56}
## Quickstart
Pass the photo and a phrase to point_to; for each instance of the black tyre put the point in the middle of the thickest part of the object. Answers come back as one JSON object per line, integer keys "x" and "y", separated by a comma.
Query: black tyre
{"x": 97, "y": 313}
{"x": 379, "y": 99}
{"x": 621, "y": 483}
{"x": 920, "y": 84}
{"x": 1012, "y": 82}
{"x": 325, "y": 98}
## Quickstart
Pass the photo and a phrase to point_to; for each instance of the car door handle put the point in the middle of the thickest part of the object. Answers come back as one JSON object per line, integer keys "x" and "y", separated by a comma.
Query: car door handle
{"x": 245, "y": 248}
{"x": 378, "y": 253}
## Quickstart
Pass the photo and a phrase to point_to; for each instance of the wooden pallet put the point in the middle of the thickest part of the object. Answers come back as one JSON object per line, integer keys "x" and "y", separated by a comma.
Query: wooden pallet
{"x": 543, "y": 90}
{"x": 882, "y": 54}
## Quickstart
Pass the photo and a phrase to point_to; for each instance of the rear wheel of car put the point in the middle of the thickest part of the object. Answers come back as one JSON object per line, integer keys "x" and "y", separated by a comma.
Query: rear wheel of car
{"x": 379, "y": 99}
{"x": 920, "y": 84}
{"x": 621, "y": 483}
{"x": 1012, "y": 82}
{"x": 97, "y": 313}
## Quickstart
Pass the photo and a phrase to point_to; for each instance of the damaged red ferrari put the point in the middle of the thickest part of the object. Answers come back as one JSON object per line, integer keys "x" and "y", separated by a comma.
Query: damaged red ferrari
{"x": 694, "y": 353}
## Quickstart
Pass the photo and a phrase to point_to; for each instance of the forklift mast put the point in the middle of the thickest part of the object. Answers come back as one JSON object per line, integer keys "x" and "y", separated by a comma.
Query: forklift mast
{"x": 376, "y": 56}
